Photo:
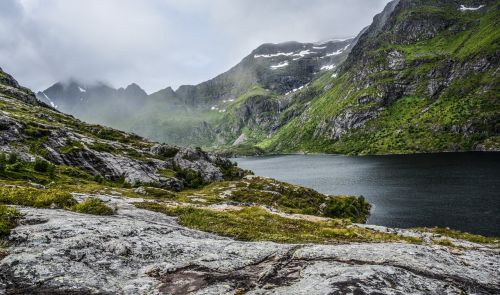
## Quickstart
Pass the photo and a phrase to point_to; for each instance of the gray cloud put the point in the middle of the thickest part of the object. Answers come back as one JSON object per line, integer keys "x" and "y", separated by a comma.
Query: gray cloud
{"x": 158, "y": 43}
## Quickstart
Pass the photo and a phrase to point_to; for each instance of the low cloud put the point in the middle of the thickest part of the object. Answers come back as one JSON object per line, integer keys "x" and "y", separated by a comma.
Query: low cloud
{"x": 158, "y": 43}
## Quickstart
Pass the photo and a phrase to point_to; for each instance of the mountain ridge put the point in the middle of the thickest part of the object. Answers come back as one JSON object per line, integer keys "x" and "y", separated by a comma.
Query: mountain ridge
{"x": 285, "y": 97}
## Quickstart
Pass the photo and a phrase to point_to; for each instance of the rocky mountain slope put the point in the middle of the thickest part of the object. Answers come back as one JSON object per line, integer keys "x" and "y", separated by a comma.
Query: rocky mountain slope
{"x": 422, "y": 78}
{"x": 86, "y": 209}
{"x": 189, "y": 115}
{"x": 32, "y": 129}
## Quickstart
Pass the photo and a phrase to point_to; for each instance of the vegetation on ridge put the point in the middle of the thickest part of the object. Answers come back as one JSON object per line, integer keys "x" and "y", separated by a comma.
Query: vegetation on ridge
{"x": 257, "y": 224}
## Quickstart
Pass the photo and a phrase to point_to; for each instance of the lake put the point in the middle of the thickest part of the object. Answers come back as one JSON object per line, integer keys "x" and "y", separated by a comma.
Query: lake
{"x": 458, "y": 190}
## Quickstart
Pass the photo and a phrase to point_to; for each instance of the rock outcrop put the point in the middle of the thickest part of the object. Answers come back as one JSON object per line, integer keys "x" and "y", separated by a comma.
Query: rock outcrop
{"x": 142, "y": 252}
{"x": 40, "y": 131}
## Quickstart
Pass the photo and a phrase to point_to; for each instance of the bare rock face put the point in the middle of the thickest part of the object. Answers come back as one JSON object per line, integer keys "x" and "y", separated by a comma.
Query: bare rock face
{"x": 143, "y": 252}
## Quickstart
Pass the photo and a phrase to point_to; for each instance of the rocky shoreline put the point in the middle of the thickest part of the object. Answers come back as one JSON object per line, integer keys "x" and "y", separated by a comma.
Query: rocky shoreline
{"x": 137, "y": 251}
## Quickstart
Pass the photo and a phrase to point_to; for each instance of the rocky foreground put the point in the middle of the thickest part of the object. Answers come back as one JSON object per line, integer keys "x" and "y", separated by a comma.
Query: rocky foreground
{"x": 137, "y": 251}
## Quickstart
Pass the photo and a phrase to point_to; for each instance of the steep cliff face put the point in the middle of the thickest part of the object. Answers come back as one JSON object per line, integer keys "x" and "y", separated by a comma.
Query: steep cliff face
{"x": 422, "y": 78}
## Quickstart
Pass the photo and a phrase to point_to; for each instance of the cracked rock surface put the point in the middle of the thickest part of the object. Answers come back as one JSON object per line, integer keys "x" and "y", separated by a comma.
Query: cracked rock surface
{"x": 142, "y": 252}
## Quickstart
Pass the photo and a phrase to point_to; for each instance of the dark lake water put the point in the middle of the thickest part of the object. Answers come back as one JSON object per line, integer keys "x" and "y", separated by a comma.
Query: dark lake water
{"x": 458, "y": 190}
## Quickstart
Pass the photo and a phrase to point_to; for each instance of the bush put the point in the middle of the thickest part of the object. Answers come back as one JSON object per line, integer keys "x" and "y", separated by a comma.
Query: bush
{"x": 13, "y": 158}
{"x": 16, "y": 167}
{"x": 102, "y": 147}
{"x": 8, "y": 219}
{"x": 93, "y": 206}
{"x": 3, "y": 162}
{"x": 53, "y": 198}
{"x": 192, "y": 178}
{"x": 41, "y": 165}
{"x": 355, "y": 209}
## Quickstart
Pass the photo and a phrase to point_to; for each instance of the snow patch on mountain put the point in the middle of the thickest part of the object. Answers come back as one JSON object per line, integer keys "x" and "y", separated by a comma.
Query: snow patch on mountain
{"x": 296, "y": 89}
{"x": 328, "y": 67}
{"x": 52, "y": 104}
{"x": 273, "y": 55}
{"x": 465, "y": 8}
{"x": 280, "y": 65}
{"x": 304, "y": 53}
{"x": 335, "y": 53}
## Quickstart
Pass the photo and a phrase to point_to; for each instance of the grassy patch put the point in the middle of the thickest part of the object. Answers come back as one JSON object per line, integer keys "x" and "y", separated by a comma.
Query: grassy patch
{"x": 296, "y": 199}
{"x": 8, "y": 220}
{"x": 192, "y": 178}
{"x": 71, "y": 146}
{"x": 38, "y": 198}
{"x": 460, "y": 235}
{"x": 444, "y": 242}
{"x": 102, "y": 147}
{"x": 256, "y": 224}
{"x": 167, "y": 172}
{"x": 92, "y": 206}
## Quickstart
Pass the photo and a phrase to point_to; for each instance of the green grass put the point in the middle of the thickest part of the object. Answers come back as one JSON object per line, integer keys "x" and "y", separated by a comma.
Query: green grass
{"x": 71, "y": 146}
{"x": 167, "y": 172}
{"x": 92, "y": 206}
{"x": 102, "y": 147}
{"x": 282, "y": 196}
{"x": 38, "y": 198}
{"x": 296, "y": 199}
{"x": 460, "y": 235}
{"x": 8, "y": 220}
{"x": 256, "y": 224}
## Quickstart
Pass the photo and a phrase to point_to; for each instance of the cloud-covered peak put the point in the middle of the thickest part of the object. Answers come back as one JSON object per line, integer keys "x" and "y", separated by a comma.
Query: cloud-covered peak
{"x": 159, "y": 42}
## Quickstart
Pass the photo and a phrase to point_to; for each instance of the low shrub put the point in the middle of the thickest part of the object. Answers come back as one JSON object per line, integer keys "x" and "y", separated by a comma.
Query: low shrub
{"x": 43, "y": 166}
{"x": 192, "y": 178}
{"x": 8, "y": 219}
{"x": 102, "y": 147}
{"x": 357, "y": 209}
{"x": 445, "y": 231}
{"x": 92, "y": 206}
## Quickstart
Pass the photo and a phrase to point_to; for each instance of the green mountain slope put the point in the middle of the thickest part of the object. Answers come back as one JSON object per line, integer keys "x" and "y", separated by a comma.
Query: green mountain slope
{"x": 423, "y": 78}
{"x": 189, "y": 115}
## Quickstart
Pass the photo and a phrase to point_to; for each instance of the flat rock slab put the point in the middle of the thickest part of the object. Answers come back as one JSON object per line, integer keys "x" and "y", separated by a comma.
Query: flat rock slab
{"x": 142, "y": 252}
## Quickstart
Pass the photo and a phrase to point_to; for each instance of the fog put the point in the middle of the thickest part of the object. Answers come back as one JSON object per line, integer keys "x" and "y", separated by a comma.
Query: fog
{"x": 158, "y": 43}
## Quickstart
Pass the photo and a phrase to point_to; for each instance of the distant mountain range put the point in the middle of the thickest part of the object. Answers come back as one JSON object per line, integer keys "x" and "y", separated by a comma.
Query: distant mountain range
{"x": 421, "y": 78}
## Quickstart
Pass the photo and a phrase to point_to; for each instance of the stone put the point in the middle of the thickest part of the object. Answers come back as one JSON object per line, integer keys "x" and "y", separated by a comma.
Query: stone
{"x": 143, "y": 252}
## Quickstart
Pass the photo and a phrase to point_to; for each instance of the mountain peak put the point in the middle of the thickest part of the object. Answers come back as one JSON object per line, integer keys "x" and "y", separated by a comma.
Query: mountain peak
{"x": 135, "y": 90}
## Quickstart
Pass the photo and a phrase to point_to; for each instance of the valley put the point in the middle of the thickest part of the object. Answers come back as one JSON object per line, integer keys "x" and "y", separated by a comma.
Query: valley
{"x": 377, "y": 169}
{"x": 390, "y": 90}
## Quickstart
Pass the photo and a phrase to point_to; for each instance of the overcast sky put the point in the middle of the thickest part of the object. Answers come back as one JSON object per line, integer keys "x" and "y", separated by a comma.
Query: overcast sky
{"x": 159, "y": 43}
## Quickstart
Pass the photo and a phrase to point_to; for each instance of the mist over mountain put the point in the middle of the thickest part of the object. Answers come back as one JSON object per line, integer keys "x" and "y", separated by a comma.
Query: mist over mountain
{"x": 189, "y": 115}
{"x": 402, "y": 77}
{"x": 93, "y": 209}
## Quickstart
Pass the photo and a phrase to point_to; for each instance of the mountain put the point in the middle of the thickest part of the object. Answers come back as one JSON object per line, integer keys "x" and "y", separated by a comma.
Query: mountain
{"x": 188, "y": 116}
{"x": 279, "y": 68}
{"x": 86, "y": 209}
{"x": 421, "y": 78}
